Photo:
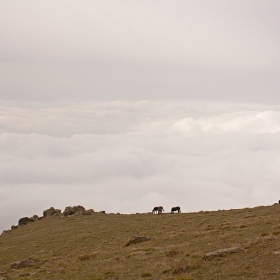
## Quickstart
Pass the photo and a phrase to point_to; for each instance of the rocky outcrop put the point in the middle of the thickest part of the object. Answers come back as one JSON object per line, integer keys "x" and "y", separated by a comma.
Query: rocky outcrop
{"x": 69, "y": 210}
{"x": 51, "y": 212}
{"x": 35, "y": 218}
{"x": 79, "y": 208}
{"x": 24, "y": 221}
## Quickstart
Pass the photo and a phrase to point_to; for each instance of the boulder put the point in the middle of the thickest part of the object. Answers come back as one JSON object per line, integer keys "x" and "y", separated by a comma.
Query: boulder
{"x": 23, "y": 264}
{"x": 51, "y": 211}
{"x": 34, "y": 218}
{"x": 69, "y": 210}
{"x": 79, "y": 208}
{"x": 137, "y": 239}
{"x": 14, "y": 227}
{"x": 25, "y": 221}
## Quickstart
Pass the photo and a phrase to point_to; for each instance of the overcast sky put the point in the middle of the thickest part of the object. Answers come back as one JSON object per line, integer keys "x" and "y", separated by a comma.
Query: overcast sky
{"x": 125, "y": 105}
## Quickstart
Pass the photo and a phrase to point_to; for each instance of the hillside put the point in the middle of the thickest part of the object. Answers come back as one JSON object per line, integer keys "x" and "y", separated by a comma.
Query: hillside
{"x": 92, "y": 247}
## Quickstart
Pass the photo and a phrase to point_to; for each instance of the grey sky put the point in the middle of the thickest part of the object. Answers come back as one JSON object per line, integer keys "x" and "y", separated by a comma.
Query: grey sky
{"x": 223, "y": 50}
{"x": 125, "y": 105}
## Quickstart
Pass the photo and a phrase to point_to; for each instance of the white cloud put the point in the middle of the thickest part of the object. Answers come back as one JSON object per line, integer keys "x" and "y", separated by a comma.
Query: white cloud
{"x": 130, "y": 156}
{"x": 251, "y": 122}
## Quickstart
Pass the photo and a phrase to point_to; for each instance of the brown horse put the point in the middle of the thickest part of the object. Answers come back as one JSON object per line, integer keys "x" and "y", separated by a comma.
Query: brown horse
{"x": 158, "y": 209}
{"x": 177, "y": 208}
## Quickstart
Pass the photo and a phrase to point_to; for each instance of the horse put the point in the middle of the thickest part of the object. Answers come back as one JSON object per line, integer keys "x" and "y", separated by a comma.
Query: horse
{"x": 158, "y": 209}
{"x": 177, "y": 208}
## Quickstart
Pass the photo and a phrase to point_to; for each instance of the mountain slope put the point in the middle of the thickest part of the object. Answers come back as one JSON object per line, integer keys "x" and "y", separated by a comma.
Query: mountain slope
{"x": 93, "y": 247}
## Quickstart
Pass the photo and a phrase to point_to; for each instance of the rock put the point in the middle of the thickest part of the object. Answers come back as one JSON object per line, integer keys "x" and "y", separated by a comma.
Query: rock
{"x": 79, "y": 208}
{"x": 3, "y": 278}
{"x": 14, "y": 227}
{"x": 51, "y": 211}
{"x": 34, "y": 218}
{"x": 102, "y": 212}
{"x": 69, "y": 211}
{"x": 88, "y": 212}
{"x": 25, "y": 221}
{"x": 222, "y": 252}
{"x": 22, "y": 264}
{"x": 137, "y": 239}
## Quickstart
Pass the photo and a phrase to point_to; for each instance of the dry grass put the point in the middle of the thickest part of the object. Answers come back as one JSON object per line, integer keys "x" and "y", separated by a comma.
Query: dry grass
{"x": 92, "y": 247}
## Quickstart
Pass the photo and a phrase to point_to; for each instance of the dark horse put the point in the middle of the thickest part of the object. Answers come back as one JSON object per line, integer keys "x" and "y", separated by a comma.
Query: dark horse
{"x": 158, "y": 209}
{"x": 177, "y": 208}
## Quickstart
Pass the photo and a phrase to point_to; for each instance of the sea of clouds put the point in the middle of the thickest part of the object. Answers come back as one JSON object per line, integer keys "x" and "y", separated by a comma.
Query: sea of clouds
{"x": 124, "y": 156}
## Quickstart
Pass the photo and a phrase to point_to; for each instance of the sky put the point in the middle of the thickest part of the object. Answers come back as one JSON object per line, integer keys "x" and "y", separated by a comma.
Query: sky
{"x": 126, "y": 105}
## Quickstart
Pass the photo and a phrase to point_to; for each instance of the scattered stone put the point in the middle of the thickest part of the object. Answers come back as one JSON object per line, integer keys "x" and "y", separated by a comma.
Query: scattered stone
{"x": 269, "y": 238}
{"x": 51, "y": 211}
{"x": 223, "y": 252}
{"x": 137, "y": 239}
{"x": 276, "y": 253}
{"x": 22, "y": 264}
{"x": 25, "y": 221}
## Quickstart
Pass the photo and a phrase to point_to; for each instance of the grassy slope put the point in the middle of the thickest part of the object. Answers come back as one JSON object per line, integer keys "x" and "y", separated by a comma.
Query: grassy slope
{"x": 175, "y": 252}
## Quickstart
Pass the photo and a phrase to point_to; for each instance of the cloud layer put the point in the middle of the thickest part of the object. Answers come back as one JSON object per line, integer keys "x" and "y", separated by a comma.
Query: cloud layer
{"x": 131, "y": 156}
